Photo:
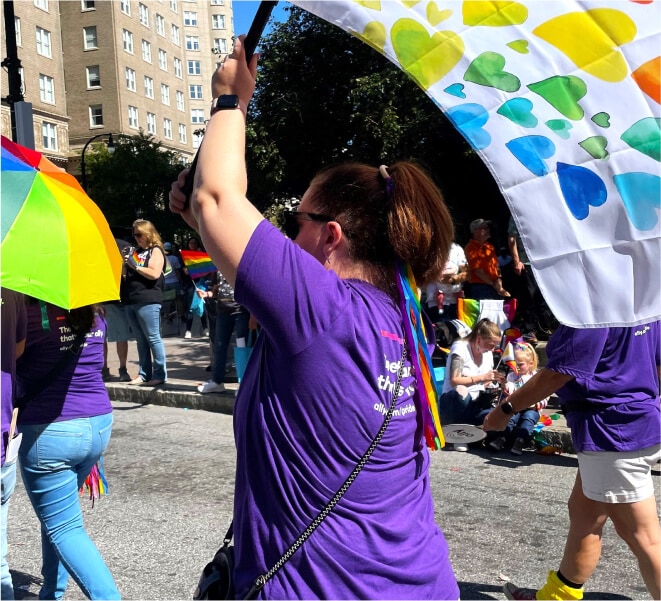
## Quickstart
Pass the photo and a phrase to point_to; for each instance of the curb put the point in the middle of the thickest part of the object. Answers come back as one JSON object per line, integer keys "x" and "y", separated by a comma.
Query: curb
{"x": 184, "y": 395}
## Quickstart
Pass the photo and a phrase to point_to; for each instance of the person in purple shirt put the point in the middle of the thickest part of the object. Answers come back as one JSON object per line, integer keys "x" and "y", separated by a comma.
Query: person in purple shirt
{"x": 66, "y": 423}
{"x": 12, "y": 333}
{"x": 325, "y": 367}
{"x": 607, "y": 380}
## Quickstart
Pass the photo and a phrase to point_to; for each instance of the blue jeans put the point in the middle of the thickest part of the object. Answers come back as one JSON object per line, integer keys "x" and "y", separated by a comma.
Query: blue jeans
{"x": 145, "y": 321}
{"x": 8, "y": 483}
{"x": 456, "y": 409}
{"x": 522, "y": 424}
{"x": 225, "y": 324}
{"x": 483, "y": 291}
{"x": 55, "y": 459}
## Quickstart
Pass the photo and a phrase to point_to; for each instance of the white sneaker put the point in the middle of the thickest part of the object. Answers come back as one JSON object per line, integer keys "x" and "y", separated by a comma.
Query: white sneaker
{"x": 205, "y": 333}
{"x": 462, "y": 448}
{"x": 187, "y": 335}
{"x": 210, "y": 386}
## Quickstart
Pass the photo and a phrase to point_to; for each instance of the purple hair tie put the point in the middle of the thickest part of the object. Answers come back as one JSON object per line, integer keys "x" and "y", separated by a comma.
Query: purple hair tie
{"x": 390, "y": 185}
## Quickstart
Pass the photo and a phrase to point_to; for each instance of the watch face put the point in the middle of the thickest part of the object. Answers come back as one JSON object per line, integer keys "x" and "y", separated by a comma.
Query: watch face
{"x": 227, "y": 101}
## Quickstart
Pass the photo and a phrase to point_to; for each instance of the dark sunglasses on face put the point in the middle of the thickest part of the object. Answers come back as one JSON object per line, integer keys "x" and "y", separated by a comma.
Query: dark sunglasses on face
{"x": 291, "y": 226}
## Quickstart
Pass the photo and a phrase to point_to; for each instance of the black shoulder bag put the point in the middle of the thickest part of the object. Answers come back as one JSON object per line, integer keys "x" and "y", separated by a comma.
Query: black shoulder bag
{"x": 217, "y": 579}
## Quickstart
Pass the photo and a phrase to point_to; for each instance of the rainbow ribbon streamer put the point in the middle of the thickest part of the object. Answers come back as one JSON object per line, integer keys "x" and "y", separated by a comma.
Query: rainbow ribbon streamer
{"x": 96, "y": 482}
{"x": 417, "y": 339}
{"x": 198, "y": 263}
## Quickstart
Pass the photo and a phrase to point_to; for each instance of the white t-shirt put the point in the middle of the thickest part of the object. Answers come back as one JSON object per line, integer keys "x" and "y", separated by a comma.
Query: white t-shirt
{"x": 461, "y": 348}
{"x": 456, "y": 259}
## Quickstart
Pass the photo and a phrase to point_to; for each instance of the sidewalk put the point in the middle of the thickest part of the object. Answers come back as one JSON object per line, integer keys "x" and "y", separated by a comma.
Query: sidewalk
{"x": 187, "y": 361}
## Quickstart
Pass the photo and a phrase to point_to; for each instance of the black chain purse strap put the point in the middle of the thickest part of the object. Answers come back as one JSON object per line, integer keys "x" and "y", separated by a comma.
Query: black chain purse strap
{"x": 323, "y": 514}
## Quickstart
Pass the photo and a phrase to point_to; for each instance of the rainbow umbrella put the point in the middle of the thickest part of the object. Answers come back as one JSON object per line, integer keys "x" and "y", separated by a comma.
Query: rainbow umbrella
{"x": 56, "y": 244}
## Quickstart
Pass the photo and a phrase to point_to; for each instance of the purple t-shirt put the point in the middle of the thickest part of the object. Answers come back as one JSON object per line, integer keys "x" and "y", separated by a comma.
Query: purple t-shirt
{"x": 13, "y": 330}
{"x": 314, "y": 395}
{"x": 613, "y": 400}
{"x": 77, "y": 390}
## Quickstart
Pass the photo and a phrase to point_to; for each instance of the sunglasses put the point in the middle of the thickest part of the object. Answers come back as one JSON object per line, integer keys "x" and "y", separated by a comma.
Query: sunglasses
{"x": 291, "y": 226}
{"x": 137, "y": 235}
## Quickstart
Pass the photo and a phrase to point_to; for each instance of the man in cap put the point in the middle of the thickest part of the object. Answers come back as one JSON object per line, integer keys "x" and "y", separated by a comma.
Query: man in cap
{"x": 483, "y": 270}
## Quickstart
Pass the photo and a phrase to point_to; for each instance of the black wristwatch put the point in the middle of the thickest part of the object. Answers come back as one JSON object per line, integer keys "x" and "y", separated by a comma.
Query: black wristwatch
{"x": 225, "y": 102}
{"x": 506, "y": 408}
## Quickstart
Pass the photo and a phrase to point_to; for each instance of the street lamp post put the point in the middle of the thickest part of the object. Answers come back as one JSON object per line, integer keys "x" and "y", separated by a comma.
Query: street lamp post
{"x": 111, "y": 149}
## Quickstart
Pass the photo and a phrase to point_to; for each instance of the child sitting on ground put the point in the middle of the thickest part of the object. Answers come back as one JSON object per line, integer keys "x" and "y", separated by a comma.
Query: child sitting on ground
{"x": 521, "y": 425}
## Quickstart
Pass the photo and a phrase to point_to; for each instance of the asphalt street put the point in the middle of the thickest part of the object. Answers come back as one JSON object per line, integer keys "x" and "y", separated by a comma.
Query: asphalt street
{"x": 170, "y": 472}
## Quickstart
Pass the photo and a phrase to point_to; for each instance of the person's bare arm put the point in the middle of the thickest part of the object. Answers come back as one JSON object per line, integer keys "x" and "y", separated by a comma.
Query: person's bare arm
{"x": 542, "y": 385}
{"x": 514, "y": 251}
{"x": 219, "y": 209}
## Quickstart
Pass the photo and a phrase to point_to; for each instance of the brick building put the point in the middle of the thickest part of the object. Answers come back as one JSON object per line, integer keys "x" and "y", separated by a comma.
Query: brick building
{"x": 94, "y": 67}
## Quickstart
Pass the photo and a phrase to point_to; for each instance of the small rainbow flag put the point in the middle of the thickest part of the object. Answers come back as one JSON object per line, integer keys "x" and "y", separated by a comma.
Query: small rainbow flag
{"x": 198, "y": 263}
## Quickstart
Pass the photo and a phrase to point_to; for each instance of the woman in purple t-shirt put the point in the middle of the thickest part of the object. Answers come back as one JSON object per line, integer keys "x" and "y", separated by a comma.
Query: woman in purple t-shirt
{"x": 607, "y": 380}
{"x": 66, "y": 423}
{"x": 325, "y": 367}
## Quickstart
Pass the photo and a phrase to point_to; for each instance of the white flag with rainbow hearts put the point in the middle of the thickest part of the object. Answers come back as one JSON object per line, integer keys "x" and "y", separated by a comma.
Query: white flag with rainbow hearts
{"x": 561, "y": 99}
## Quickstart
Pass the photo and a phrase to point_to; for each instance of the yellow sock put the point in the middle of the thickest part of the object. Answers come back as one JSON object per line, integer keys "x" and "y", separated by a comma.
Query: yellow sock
{"x": 556, "y": 589}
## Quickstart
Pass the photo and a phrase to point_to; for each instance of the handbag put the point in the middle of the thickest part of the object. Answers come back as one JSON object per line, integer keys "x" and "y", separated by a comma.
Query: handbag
{"x": 217, "y": 579}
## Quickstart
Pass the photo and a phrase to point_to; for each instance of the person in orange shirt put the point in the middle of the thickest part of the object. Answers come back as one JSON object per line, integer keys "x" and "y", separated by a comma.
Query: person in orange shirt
{"x": 483, "y": 271}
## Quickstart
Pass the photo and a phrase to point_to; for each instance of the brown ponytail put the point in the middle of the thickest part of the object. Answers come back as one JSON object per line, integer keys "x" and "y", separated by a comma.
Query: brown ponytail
{"x": 405, "y": 220}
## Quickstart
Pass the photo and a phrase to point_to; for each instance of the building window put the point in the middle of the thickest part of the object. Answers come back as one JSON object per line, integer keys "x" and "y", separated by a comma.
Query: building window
{"x": 143, "y": 12}
{"x": 165, "y": 94}
{"x": 176, "y": 37}
{"x": 125, "y": 7}
{"x": 87, "y": 5}
{"x": 167, "y": 129}
{"x": 43, "y": 42}
{"x": 190, "y": 18}
{"x": 195, "y": 92}
{"x": 173, "y": 5}
{"x": 194, "y": 68}
{"x": 130, "y": 79}
{"x": 133, "y": 117}
{"x": 49, "y": 133}
{"x": 162, "y": 59}
{"x": 183, "y": 136}
{"x": 127, "y": 40}
{"x": 93, "y": 76}
{"x": 192, "y": 42}
{"x": 197, "y": 116}
{"x": 217, "y": 21}
{"x": 180, "y": 100}
{"x": 46, "y": 88}
{"x": 197, "y": 140}
{"x": 217, "y": 2}
{"x": 149, "y": 87}
{"x": 220, "y": 45}
{"x": 160, "y": 25}
{"x": 151, "y": 123}
{"x": 178, "y": 68}
{"x": 96, "y": 115}
{"x": 90, "y": 41}
{"x": 146, "y": 51}
{"x": 42, "y": 4}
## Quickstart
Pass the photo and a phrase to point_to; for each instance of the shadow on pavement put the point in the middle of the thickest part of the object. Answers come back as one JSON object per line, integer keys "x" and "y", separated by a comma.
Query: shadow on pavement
{"x": 478, "y": 591}
{"x": 22, "y": 582}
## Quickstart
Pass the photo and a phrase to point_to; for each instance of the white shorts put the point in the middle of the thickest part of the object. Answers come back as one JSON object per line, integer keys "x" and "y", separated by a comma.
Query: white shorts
{"x": 618, "y": 477}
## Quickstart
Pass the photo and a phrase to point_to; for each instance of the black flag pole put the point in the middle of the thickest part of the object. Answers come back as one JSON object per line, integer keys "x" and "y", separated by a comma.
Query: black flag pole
{"x": 252, "y": 39}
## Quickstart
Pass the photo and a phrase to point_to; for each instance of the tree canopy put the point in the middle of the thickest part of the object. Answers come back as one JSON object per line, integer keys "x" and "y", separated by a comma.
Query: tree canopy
{"x": 134, "y": 182}
{"x": 323, "y": 96}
